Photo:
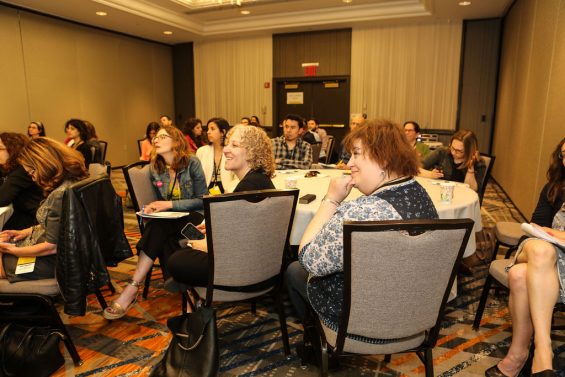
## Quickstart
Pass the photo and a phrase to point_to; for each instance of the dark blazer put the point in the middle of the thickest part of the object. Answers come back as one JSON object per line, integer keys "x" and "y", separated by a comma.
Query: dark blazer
{"x": 25, "y": 196}
{"x": 85, "y": 150}
{"x": 254, "y": 180}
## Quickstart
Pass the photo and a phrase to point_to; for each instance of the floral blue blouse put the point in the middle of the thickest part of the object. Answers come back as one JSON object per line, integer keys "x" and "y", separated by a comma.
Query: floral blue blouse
{"x": 192, "y": 186}
{"x": 323, "y": 256}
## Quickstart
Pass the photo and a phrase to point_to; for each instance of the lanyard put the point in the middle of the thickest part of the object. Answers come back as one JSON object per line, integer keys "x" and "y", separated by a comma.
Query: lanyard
{"x": 217, "y": 170}
{"x": 170, "y": 195}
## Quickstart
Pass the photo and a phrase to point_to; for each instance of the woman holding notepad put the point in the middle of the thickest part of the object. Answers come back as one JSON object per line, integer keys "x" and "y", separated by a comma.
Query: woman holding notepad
{"x": 537, "y": 280}
{"x": 178, "y": 181}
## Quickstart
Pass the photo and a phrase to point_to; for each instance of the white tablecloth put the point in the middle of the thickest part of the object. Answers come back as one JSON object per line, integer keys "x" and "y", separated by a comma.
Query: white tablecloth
{"x": 5, "y": 213}
{"x": 465, "y": 202}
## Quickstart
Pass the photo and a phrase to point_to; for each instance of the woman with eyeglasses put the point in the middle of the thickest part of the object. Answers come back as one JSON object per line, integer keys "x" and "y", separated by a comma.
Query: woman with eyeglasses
{"x": 537, "y": 279}
{"x": 178, "y": 181}
{"x": 54, "y": 167}
{"x": 35, "y": 129}
{"x": 218, "y": 179}
{"x": 17, "y": 187}
{"x": 460, "y": 162}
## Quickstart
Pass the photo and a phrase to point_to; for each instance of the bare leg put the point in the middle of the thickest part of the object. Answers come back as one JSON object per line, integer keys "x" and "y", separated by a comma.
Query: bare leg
{"x": 144, "y": 264}
{"x": 543, "y": 291}
{"x": 522, "y": 329}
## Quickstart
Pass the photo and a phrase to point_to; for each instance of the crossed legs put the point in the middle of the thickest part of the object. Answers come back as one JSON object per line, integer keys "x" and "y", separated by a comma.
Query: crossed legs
{"x": 534, "y": 289}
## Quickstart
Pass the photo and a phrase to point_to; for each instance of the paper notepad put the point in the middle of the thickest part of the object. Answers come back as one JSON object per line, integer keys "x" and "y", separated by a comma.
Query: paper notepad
{"x": 535, "y": 231}
{"x": 163, "y": 215}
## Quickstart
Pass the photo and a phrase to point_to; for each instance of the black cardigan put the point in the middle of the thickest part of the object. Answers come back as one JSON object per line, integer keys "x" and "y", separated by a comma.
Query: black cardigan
{"x": 545, "y": 211}
{"x": 19, "y": 190}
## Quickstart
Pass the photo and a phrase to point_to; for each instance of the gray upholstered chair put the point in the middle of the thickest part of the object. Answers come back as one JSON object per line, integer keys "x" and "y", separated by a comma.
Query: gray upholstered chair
{"x": 330, "y": 148}
{"x": 489, "y": 162}
{"x": 397, "y": 279}
{"x": 141, "y": 192}
{"x": 96, "y": 169}
{"x": 247, "y": 236}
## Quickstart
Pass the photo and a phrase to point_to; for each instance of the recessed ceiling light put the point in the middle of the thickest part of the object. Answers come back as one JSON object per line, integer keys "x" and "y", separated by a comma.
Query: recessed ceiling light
{"x": 101, "y": 13}
{"x": 464, "y": 3}
{"x": 347, "y": 1}
{"x": 168, "y": 32}
{"x": 245, "y": 12}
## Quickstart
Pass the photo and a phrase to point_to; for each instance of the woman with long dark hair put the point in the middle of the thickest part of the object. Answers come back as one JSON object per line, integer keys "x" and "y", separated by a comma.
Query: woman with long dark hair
{"x": 192, "y": 130}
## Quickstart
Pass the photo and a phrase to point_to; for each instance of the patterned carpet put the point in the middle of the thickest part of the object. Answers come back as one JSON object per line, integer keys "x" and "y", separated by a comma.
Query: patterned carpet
{"x": 251, "y": 344}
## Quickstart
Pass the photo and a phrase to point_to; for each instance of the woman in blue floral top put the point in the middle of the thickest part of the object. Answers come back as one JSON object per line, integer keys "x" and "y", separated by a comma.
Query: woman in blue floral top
{"x": 179, "y": 183}
{"x": 383, "y": 166}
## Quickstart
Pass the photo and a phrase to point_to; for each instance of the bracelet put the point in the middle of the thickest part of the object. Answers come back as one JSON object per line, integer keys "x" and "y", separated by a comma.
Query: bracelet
{"x": 470, "y": 171}
{"x": 334, "y": 202}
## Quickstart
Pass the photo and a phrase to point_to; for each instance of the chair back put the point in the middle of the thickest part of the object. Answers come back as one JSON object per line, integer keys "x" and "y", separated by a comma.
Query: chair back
{"x": 398, "y": 275}
{"x": 139, "y": 142}
{"x": 247, "y": 235}
{"x": 316, "y": 149}
{"x": 96, "y": 169}
{"x": 489, "y": 162}
{"x": 330, "y": 148}
{"x": 139, "y": 184}
{"x": 103, "y": 148}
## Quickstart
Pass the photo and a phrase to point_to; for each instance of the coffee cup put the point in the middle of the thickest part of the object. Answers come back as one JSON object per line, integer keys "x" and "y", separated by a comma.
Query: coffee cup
{"x": 291, "y": 182}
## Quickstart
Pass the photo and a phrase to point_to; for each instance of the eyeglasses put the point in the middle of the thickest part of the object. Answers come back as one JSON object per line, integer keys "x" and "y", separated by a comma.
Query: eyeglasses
{"x": 460, "y": 151}
{"x": 160, "y": 137}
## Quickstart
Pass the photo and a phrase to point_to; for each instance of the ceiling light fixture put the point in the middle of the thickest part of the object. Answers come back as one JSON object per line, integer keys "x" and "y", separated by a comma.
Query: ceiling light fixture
{"x": 102, "y": 14}
{"x": 464, "y": 3}
{"x": 168, "y": 32}
{"x": 245, "y": 12}
{"x": 347, "y": 1}
{"x": 199, "y": 4}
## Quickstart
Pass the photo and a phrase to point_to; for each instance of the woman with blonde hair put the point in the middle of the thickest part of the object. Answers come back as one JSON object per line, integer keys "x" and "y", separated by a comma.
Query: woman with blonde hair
{"x": 460, "y": 162}
{"x": 54, "y": 167}
{"x": 178, "y": 181}
{"x": 249, "y": 155}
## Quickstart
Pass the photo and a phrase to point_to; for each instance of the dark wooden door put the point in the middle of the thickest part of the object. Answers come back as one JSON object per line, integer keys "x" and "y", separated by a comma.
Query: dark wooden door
{"x": 323, "y": 98}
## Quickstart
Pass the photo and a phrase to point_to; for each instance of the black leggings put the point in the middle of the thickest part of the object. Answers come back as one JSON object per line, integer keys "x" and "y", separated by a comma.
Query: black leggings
{"x": 189, "y": 266}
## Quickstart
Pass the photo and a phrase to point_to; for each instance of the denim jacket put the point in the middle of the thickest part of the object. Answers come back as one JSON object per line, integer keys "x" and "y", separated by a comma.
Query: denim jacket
{"x": 192, "y": 185}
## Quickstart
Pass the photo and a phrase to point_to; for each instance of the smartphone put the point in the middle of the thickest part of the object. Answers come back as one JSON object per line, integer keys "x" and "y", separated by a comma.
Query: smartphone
{"x": 191, "y": 233}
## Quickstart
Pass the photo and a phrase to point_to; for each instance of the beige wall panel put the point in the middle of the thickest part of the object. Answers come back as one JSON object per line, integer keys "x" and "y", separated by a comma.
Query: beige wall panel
{"x": 118, "y": 83}
{"x": 406, "y": 72}
{"x": 531, "y": 115}
{"x": 229, "y": 77}
{"x": 13, "y": 96}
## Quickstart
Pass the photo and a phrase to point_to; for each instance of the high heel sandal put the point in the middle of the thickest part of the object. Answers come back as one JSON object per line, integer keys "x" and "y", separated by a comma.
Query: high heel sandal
{"x": 116, "y": 311}
{"x": 494, "y": 371}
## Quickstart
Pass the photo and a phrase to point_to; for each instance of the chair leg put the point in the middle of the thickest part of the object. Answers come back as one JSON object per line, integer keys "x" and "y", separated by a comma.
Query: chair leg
{"x": 282, "y": 321}
{"x": 101, "y": 299}
{"x": 324, "y": 360}
{"x": 429, "y": 361}
{"x": 111, "y": 287}
{"x": 482, "y": 302}
{"x": 147, "y": 282}
{"x": 387, "y": 358}
{"x": 254, "y": 308}
{"x": 54, "y": 314}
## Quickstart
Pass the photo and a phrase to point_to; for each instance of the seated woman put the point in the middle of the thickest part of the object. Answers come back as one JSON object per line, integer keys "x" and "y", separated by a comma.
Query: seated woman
{"x": 17, "y": 188}
{"x": 78, "y": 133}
{"x": 54, "y": 167}
{"x": 218, "y": 179}
{"x": 35, "y": 130}
{"x": 383, "y": 166}
{"x": 535, "y": 279}
{"x": 147, "y": 144}
{"x": 249, "y": 154}
{"x": 460, "y": 162}
{"x": 179, "y": 183}
{"x": 192, "y": 130}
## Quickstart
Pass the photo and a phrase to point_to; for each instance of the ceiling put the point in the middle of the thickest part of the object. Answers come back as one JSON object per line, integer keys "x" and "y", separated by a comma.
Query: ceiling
{"x": 149, "y": 19}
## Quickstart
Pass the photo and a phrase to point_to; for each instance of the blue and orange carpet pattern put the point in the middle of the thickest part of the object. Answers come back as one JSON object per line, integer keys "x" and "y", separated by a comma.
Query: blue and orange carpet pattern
{"x": 251, "y": 343}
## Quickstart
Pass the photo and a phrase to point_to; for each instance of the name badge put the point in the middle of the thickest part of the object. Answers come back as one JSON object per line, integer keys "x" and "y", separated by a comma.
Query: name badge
{"x": 25, "y": 265}
{"x": 215, "y": 191}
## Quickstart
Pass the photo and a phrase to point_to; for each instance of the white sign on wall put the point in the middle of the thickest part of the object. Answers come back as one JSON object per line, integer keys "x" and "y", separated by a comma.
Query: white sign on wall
{"x": 295, "y": 98}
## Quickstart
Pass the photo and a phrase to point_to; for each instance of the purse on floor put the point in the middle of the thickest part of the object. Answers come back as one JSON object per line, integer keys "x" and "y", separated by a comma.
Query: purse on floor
{"x": 193, "y": 351}
{"x": 29, "y": 351}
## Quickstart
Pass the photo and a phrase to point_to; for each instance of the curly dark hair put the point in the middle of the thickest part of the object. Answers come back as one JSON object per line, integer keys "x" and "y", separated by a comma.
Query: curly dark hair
{"x": 80, "y": 126}
{"x": 556, "y": 174}
{"x": 188, "y": 129}
{"x": 14, "y": 144}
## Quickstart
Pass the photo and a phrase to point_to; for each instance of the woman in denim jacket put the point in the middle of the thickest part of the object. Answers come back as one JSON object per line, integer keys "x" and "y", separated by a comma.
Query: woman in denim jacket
{"x": 179, "y": 183}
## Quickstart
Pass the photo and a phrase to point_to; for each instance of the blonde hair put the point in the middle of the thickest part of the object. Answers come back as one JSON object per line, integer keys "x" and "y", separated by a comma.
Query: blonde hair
{"x": 258, "y": 146}
{"x": 53, "y": 163}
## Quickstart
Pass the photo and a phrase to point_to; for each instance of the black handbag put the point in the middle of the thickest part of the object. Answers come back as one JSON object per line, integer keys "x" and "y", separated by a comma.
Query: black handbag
{"x": 29, "y": 351}
{"x": 193, "y": 351}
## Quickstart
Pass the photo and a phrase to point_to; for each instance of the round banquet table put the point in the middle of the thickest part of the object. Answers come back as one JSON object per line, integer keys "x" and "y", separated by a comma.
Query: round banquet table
{"x": 465, "y": 203}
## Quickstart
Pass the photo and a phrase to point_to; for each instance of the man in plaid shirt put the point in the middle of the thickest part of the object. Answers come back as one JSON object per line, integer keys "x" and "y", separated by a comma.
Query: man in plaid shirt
{"x": 291, "y": 152}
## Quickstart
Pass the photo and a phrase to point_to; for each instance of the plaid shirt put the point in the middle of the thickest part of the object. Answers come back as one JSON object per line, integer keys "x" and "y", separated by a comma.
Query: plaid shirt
{"x": 298, "y": 158}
